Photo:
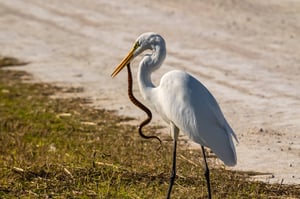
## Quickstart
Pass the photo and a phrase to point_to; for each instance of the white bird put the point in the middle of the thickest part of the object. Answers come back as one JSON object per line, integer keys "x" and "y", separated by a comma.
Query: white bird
{"x": 183, "y": 102}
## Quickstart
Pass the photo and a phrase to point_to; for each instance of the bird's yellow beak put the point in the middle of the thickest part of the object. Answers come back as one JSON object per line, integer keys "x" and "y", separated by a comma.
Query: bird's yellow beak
{"x": 125, "y": 61}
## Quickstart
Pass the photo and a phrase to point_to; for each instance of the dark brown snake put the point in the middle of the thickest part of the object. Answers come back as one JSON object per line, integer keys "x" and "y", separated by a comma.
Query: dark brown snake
{"x": 141, "y": 106}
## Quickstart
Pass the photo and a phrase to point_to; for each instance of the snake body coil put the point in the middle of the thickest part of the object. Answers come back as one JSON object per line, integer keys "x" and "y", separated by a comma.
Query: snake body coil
{"x": 141, "y": 106}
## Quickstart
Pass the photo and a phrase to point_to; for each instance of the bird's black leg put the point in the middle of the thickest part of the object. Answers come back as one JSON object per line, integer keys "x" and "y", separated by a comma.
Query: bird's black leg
{"x": 206, "y": 173}
{"x": 173, "y": 172}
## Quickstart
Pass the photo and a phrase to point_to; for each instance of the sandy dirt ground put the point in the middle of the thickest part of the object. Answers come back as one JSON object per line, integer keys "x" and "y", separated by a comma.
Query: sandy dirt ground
{"x": 246, "y": 52}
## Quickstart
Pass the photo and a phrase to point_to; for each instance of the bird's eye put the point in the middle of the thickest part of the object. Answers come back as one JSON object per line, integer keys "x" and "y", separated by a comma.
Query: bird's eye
{"x": 136, "y": 45}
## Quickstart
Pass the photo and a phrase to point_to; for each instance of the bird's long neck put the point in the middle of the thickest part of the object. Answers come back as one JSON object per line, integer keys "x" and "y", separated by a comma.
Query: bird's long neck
{"x": 150, "y": 63}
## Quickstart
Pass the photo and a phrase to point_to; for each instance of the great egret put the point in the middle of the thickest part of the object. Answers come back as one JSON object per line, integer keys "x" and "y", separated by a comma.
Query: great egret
{"x": 183, "y": 102}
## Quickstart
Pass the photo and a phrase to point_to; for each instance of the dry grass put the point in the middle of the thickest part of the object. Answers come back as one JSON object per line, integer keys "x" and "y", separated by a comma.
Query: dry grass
{"x": 62, "y": 148}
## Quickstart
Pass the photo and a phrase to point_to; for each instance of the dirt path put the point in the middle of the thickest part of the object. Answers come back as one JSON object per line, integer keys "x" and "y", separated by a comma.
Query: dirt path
{"x": 245, "y": 52}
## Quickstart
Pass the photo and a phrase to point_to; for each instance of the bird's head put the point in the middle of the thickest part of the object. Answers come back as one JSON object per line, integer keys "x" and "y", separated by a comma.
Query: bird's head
{"x": 145, "y": 41}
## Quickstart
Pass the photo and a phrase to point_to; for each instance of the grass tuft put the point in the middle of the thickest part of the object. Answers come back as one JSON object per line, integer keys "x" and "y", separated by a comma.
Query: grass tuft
{"x": 10, "y": 61}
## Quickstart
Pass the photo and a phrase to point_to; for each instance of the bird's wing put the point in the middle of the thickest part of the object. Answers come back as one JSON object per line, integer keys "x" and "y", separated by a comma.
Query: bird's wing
{"x": 183, "y": 100}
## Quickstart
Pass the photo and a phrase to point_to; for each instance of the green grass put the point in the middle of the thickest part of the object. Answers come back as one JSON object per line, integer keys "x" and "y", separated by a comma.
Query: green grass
{"x": 63, "y": 148}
